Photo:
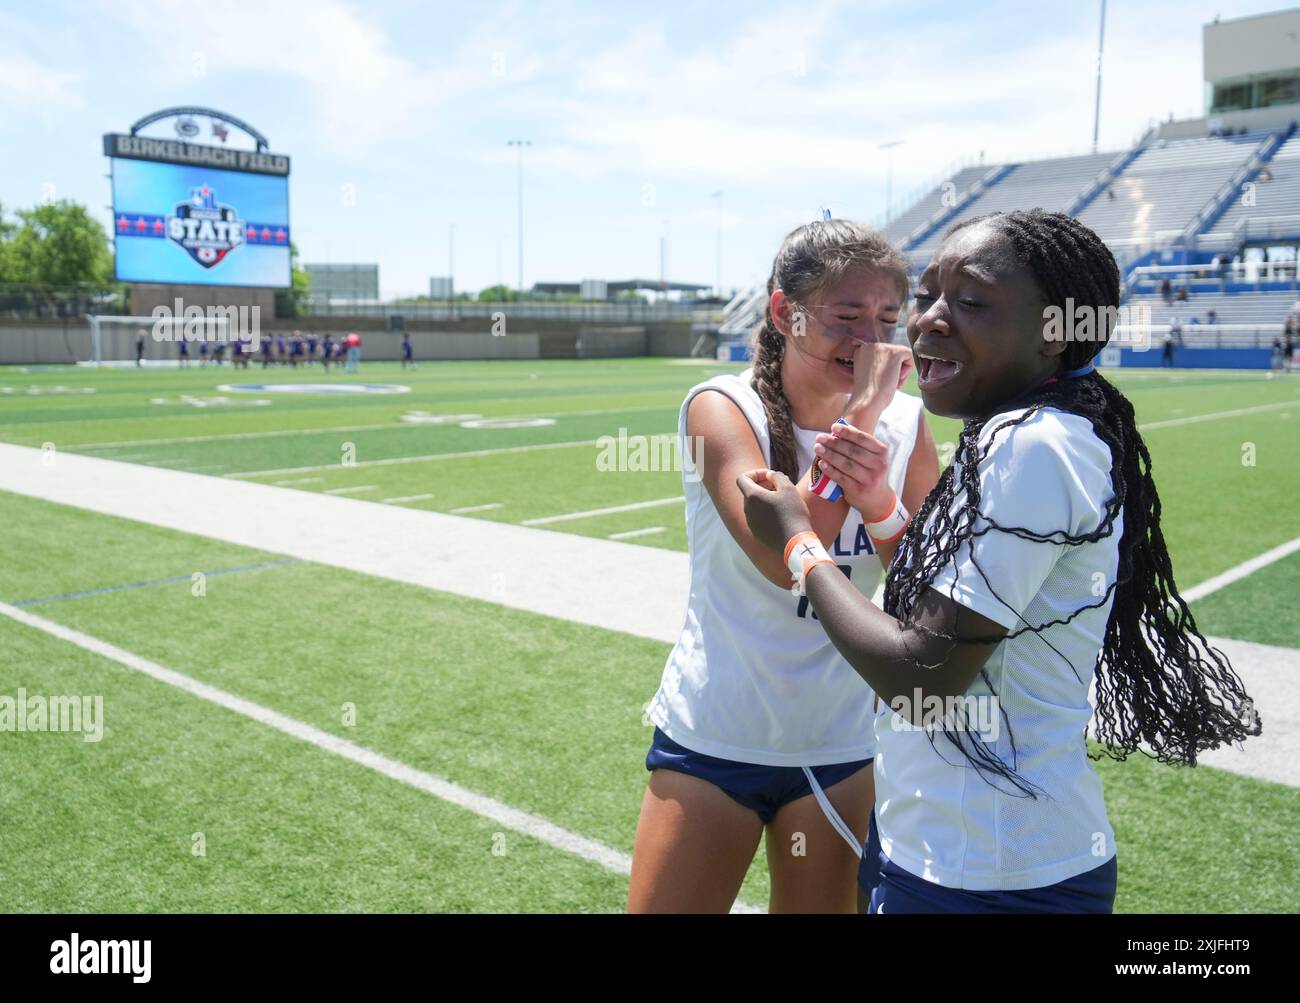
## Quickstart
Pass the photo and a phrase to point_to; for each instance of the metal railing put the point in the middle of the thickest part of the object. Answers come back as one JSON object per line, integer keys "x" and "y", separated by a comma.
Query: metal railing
{"x": 30, "y": 301}
{"x": 530, "y": 309}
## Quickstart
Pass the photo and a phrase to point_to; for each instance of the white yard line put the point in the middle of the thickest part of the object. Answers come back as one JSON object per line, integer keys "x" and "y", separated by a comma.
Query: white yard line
{"x": 476, "y": 508}
{"x": 633, "y": 533}
{"x": 404, "y": 498}
{"x": 1194, "y": 418}
{"x": 397, "y": 460}
{"x": 296, "y": 480}
{"x": 354, "y": 490}
{"x": 287, "y": 433}
{"x": 511, "y": 818}
{"x": 570, "y": 516}
{"x": 1211, "y": 585}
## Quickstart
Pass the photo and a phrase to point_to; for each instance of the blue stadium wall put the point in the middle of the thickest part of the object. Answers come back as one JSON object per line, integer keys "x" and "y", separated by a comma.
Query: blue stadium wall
{"x": 1199, "y": 358}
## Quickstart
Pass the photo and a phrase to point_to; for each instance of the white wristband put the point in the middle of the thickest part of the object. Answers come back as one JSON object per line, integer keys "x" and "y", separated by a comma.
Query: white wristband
{"x": 802, "y": 553}
{"x": 891, "y": 527}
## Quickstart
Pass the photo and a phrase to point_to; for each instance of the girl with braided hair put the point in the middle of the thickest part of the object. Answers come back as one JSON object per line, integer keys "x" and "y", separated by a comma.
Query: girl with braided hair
{"x": 760, "y": 723}
{"x": 1036, "y": 566}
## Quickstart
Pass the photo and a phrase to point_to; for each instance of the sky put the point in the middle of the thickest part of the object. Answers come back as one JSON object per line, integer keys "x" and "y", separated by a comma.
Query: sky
{"x": 396, "y": 115}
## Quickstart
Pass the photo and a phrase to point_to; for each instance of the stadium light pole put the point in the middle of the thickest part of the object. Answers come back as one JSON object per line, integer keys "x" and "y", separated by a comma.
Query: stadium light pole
{"x": 1101, "y": 44}
{"x": 889, "y": 173}
{"x": 519, "y": 145}
{"x": 718, "y": 195}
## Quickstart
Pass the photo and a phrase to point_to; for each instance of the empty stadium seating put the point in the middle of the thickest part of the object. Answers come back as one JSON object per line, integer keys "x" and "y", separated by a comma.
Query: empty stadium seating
{"x": 1046, "y": 184}
{"x": 1165, "y": 187}
{"x": 1272, "y": 198}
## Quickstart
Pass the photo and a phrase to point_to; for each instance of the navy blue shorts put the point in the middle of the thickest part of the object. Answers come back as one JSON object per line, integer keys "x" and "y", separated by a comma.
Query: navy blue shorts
{"x": 894, "y": 890}
{"x": 763, "y": 789}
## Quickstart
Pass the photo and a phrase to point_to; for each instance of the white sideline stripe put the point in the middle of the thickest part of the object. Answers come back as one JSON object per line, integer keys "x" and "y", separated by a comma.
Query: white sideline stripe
{"x": 393, "y": 461}
{"x": 570, "y": 516}
{"x": 1193, "y": 419}
{"x": 1212, "y": 585}
{"x": 476, "y": 508}
{"x": 1269, "y": 675}
{"x": 295, "y": 480}
{"x": 636, "y": 532}
{"x": 286, "y": 433}
{"x": 460, "y": 555}
{"x": 354, "y": 490}
{"x": 512, "y": 818}
{"x": 404, "y": 498}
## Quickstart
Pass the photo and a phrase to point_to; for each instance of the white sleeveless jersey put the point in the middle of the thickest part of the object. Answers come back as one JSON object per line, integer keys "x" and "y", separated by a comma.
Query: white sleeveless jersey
{"x": 753, "y": 677}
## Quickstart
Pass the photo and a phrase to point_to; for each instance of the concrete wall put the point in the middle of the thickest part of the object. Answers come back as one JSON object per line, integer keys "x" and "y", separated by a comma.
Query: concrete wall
{"x": 1246, "y": 46}
{"x": 144, "y": 297}
{"x": 62, "y": 342}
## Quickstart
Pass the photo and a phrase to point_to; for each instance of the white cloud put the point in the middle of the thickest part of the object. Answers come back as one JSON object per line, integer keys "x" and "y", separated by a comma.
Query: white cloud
{"x": 361, "y": 90}
{"x": 28, "y": 86}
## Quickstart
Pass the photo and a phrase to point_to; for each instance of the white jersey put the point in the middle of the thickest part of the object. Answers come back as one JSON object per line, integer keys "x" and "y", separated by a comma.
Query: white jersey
{"x": 753, "y": 677}
{"x": 940, "y": 819}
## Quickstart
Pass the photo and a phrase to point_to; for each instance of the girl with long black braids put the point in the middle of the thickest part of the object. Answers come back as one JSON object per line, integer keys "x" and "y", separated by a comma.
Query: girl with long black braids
{"x": 1036, "y": 566}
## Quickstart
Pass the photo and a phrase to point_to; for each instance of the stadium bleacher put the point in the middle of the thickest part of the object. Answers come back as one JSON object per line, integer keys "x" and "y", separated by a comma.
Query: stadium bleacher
{"x": 1275, "y": 197}
{"x": 1173, "y": 201}
{"x": 1166, "y": 186}
{"x": 901, "y": 227}
{"x": 1264, "y": 308}
{"x": 1049, "y": 184}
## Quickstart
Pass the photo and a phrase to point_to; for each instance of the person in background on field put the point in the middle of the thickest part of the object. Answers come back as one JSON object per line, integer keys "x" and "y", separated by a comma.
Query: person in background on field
{"x": 1167, "y": 291}
{"x": 281, "y": 349}
{"x": 1288, "y": 350}
{"x": 139, "y": 347}
{"x": 1275, "y": 361}
{"x": 311, "y": 347}
{"x": 203, "y": 352}
{"x": 266, "y": 351}
{"x": 406, "y": 351}
{"x": 353, "y": 341}
{"x": 218, "y": 352}
{"x": 326, "y": 351}
{"x": 1167, "y": 356}
{"x": 183, "y": 348}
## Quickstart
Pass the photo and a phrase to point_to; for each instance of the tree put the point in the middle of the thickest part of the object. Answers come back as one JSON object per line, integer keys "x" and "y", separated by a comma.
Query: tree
{"x": 292, "y": 302}
{"x": 497, "y": 294}
{"x": 6, "y": 236}
{"x": 57, "y": 244}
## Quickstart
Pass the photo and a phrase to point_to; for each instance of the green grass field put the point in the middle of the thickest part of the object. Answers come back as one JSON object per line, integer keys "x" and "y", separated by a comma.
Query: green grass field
{"x": 541, "y": 714}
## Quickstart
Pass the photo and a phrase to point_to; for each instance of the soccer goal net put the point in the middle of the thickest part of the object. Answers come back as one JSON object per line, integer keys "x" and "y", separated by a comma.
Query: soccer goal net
{"x": 156, "y": 341}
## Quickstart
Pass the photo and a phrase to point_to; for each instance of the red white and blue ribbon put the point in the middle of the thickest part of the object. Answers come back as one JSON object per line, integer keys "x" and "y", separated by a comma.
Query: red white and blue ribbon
{"x": 820, "y": 483}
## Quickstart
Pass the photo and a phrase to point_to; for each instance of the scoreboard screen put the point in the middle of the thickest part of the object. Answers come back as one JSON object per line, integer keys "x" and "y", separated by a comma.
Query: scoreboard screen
{"x": 194, "y": 224}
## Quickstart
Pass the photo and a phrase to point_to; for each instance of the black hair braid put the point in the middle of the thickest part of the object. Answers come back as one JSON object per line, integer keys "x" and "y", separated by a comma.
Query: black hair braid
{"x": 1159, "y": 684}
